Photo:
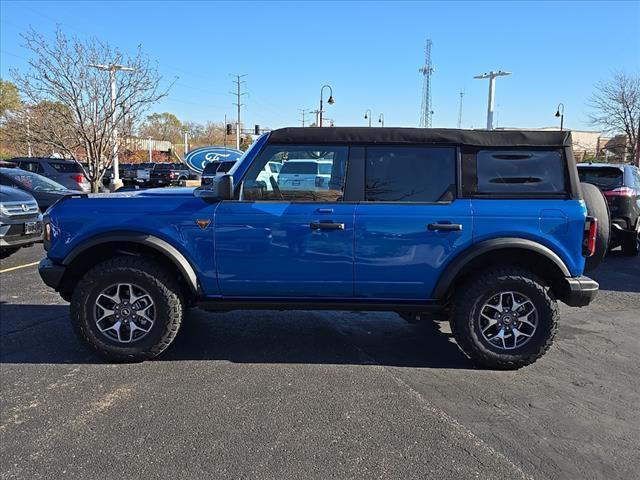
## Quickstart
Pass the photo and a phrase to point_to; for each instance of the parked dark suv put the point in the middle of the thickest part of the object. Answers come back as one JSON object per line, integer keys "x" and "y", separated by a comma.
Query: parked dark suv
{"x": 620, "y": 185}
{"x": 490, "y": 229}
{"x": 66, "y": 172}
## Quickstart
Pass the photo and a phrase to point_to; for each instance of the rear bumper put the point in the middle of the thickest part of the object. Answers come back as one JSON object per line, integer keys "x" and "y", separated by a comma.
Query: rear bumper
{"x": 51, "y": 273}
{"x": 580, "y": 291}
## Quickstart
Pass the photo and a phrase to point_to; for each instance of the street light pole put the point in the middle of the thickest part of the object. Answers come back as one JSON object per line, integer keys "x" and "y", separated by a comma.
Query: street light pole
{"x": 186, "y": 142}
{"x": 381, "y": 119}
{"x": 560, "y": 113}
{"x": 492, "y": 90}
{"x": 330, "y": 102}
{"x": 112, "y": 68}
{"x": 367, "y": 115}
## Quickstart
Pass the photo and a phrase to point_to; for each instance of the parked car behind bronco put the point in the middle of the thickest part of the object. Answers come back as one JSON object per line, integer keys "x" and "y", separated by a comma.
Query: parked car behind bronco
{"x": 489, "y": 228}
{"x": 620, "y": 185}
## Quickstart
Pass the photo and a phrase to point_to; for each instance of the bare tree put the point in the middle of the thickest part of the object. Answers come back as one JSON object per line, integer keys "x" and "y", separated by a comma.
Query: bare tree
{"x": 73, "y": 100}
{"x": 616, "y": 109}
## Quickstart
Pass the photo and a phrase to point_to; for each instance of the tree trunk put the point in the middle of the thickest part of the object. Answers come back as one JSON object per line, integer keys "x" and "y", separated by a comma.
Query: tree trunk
{"x": 95, "y": 185}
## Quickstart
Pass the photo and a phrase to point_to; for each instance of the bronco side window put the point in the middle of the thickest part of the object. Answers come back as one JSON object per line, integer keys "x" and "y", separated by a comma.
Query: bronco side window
{"x": 410, "y": 174}
{"x": 303, "y": 173}
{"x": 516, "y": 172}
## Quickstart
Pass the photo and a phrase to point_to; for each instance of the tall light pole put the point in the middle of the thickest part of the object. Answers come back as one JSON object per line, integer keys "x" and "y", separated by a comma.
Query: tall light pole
{"x": 460, "y": 111}
{"x": 492, "y": 90}
{"x": 186, "y": 142}
{"x": 112, "y": 68}
{"x": 381, "y": 119}
{"x": 367, "y": 116}
{"x": 560, "y": 114}
{"x": 330, "y": 102}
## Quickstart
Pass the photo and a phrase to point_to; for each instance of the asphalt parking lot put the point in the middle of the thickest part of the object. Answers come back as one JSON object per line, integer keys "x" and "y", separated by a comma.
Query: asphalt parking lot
{"x": 317, "y": 395}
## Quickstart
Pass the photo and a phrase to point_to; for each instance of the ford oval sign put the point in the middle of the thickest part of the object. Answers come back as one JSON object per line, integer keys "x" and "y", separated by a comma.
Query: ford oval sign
{"x": 198, "y": 158}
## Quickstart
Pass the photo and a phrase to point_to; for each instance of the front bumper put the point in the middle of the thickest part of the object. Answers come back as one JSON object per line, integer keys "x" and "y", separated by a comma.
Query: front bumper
{"x": 51, "y": 273}
{"x": 580, "y": 291}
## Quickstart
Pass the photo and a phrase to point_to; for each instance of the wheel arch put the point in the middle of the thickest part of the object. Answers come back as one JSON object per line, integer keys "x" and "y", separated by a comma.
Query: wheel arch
{"x": 538, "y": 258}
{"x": 98, "y": 248}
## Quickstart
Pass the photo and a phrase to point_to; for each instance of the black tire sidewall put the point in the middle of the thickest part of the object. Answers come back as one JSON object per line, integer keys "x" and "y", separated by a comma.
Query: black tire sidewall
{"x": 543, "y": 328}
{"x": 84, "y": 300}
{"x": 466, "y": 320}
{"x": 597, "y": 207}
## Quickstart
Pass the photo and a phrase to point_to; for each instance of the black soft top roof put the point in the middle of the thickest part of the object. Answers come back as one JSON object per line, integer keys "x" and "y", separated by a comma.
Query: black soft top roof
{"x": 445, "y": 136}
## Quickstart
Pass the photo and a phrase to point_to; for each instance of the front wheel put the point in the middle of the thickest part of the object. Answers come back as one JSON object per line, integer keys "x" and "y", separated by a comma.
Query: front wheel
{"x": 504, "y": 318}
{"x": 127, "y": 309}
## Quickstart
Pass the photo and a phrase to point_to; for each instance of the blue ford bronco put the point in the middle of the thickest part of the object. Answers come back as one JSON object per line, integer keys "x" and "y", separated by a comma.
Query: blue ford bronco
{"x": 489, "y": 229}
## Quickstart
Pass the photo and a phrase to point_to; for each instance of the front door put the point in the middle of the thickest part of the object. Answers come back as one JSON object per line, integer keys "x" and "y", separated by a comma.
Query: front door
{"x": 288, "y": 239}
{"x": 411, "y": 224}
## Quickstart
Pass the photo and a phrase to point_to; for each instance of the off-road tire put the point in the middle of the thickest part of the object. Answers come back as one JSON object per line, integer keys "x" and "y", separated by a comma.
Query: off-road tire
{"x": 597, "y": 207}
{"x": 465, "y": 312}
{"x": 164, "y": 290}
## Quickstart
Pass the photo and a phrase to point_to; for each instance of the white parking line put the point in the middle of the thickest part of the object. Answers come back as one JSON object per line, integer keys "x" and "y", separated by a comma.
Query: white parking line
{"x": 19, "y": 266}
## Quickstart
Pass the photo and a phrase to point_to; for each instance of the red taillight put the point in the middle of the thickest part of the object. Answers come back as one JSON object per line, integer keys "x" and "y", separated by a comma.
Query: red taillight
{"x": 78, "y": 178}
{"x": 620, "y": 192}
{"x": 589, "y": 240}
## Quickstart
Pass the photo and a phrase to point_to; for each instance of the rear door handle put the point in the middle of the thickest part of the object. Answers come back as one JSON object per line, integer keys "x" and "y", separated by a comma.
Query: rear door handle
{"x": 326, "y": 226}
{"x": 445, "y": 227}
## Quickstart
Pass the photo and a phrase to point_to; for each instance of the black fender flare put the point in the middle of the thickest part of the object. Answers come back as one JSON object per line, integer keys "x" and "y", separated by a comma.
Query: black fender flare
{"x": 162, "y": 246}
{"x": 476, "y": 250}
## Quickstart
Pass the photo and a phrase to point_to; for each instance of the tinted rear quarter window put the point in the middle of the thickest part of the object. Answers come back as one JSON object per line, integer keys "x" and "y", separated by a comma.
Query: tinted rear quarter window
{"x": 517, "y": 172}
{"x": 66, "y": 167}
{"x": 410, "y": 174}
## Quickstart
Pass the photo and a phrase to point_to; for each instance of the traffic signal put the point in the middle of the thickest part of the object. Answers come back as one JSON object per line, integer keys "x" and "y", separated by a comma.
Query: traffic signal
{"x": 256, "y": 130}
{"x": 229, "y": 129}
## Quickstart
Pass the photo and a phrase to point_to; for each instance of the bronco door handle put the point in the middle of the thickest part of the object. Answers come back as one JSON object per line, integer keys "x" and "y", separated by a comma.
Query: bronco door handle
{"x": 445, "y": 227}
{"x": 326, "y": 226}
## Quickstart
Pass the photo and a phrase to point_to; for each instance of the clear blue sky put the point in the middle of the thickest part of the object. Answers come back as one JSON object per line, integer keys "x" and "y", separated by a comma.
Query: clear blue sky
{"x": 369, "y": 52}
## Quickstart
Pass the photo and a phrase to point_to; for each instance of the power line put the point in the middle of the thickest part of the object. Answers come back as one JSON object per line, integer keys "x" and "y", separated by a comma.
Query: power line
{"x": 304, "y": 112}
{"x": 238, "y": 93}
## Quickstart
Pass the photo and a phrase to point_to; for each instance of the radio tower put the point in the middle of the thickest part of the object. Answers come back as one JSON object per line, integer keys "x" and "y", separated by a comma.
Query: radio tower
{"x": 426, "y": 70}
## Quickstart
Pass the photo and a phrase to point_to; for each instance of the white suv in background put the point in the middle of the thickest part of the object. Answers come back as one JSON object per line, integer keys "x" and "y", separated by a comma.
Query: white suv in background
{"x": 306, "y": 175}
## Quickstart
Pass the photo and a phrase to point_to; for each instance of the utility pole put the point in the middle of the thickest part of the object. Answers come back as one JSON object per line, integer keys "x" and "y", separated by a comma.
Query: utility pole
{"x": 112, "y": 68}
{"x": 150, "y": 151}
{"x": 238, "y": 104}
{"x": 492, "y": 92}
{"x": 225, "y": 130}
{"x": 303, "y": 112}
{"x": 460, "y": 110}
{"x": 186, "y": 142}
{"x": 29, "y": 153}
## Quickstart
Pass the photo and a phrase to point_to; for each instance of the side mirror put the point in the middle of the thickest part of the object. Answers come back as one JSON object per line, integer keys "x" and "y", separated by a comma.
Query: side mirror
{"x": 215, "y": 188}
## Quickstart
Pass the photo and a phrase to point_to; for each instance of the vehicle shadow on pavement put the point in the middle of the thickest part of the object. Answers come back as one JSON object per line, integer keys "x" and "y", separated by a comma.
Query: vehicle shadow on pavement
{"x": 618, "y": 273}
{"x": 35, "y": 334}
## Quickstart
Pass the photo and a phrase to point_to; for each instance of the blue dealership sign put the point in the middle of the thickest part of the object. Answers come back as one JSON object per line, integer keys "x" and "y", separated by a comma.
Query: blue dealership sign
{"x": 198, "y": 158}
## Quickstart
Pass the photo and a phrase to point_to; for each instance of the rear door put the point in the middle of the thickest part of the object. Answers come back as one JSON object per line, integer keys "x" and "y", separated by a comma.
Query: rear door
{"x": 411, "y": 222}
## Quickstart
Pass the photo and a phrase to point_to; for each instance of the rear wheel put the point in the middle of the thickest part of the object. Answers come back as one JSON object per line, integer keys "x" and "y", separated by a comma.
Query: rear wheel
{"x": 504, "y": 318}
{"x": 631, "y": 243}
{"x": 127, "y": 309}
